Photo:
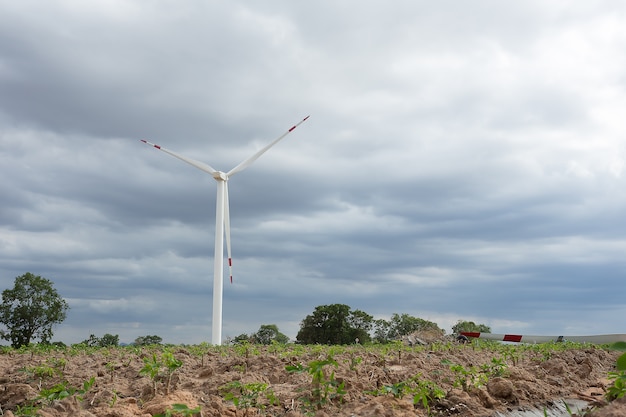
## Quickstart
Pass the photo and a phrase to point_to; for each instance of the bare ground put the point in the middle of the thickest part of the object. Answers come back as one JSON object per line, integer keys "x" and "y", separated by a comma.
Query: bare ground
{"x": 526, "y": 377}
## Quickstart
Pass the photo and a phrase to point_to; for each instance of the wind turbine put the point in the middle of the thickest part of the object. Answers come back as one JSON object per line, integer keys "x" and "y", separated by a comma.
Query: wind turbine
{"x": 222, "y": 224}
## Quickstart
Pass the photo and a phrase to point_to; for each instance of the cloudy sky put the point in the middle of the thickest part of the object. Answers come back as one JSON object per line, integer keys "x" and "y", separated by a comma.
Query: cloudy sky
{"x": 463, "y": 160}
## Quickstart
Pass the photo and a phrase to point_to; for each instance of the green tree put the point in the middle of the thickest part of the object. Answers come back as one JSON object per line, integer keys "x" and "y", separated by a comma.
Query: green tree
{"x": 242, "y": 338}
{"x": 109, "y": 340}
{"x": 104, "y": 341}
{"x": 148, "y": 340}
{"x": 267, "y": 333}
{"x": 470, "y": 326}
{"x": 30, "y": 310}
{"x": 360, "y": 324}
{"x": 400, "y": 325}
{"x": 381, "y": 330}
{"x": 335, "y": 324}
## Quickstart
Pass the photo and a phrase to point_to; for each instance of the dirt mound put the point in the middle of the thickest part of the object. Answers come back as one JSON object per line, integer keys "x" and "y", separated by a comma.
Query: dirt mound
{"x": 425, "y": 337}
{"x": 443, "y": 378}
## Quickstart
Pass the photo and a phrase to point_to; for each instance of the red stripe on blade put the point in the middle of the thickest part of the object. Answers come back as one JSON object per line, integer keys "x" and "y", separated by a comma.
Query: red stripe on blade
{"x": 512, "y": 338}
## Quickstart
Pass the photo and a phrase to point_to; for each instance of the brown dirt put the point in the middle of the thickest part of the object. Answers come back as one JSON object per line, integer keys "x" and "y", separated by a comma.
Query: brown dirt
{"x": 536, "y": 379}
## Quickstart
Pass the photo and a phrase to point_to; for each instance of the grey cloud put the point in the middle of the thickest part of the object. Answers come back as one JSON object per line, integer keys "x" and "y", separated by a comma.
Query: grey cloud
{"x": 460, "y": 161}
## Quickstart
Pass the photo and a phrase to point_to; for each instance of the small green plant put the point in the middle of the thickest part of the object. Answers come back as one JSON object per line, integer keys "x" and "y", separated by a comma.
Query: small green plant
{"x": 179, "y": 409}
{"x": 152, "y": 368}
{"x": 246, "y": 349}
{"x": 171, "y": 365}
{"x": 354, "y": 361}
{"x": 398, "y": 390}
{"x": 618, "y": 388}
{"x": 49, "y": 369}
{"x": 110, "y": 366}
{"x": 113, "y": 399}
{"x": 200, "y": 350}
{"x": 58, "y": 364}
{"x": 239, "y": 368}
{"x": 466, "y": 378}
{"x": 42, "y": 371}
{"x": 512, "y": 354}
{"x": 248, "y": 395}
{"x": 497, "y": 367}
{"x": 424, "y": 392}
{"x": 63, "y": 390}
{"x": 324, "y": 389}
{"x": 29, "y": 410}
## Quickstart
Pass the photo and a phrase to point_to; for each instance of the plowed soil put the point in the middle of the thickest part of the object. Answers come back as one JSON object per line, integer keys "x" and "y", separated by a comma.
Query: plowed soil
{"x": 527, "y": 378}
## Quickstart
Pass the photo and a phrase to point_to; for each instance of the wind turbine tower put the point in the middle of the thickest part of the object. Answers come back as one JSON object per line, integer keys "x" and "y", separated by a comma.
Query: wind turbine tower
{"x": 222, "y": 223}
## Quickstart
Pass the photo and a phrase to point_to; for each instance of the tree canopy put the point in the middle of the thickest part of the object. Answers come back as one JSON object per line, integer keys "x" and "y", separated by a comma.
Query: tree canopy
{"x": 104, "y": 341}
{"x": 400, "y": 325}
{"x": 335, "y": 324}
{"x": 30, "y": 309}
{"x": 470, "y": 326}
{"x": 268, "y": 333}
{"x": 148, "y": 340}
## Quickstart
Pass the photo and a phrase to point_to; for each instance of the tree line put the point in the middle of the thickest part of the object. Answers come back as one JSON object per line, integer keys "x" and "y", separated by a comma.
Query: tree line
{"x": 33, "y": 307}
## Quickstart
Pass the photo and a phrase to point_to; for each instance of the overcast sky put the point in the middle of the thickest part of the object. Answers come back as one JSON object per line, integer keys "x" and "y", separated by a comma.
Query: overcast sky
{"x": 463, "y": 160}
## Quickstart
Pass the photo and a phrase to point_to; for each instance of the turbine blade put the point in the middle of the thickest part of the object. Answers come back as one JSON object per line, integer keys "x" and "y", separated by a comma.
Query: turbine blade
{"x": 200, "y": 165}
{"x": 254, "y": 157}
{"x": 227, "y": 230}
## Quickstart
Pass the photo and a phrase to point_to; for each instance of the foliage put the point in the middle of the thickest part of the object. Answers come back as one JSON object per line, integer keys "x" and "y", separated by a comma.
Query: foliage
{"x": 424, "y": 392}
{"x": 152, "y": 368}
{"x": 621, "y": 346}
{"x": 470, "y": 326}
{"x": 242, "y": 338}
{"x": 160, "y": 368}
{"x": 148, "y": 340}
{"x": 618, "y": 388}
{"x": 466, "y": 378}
{"x": 269, "y": 333}
{"x": 321, "y": 379}
{"x": 49, "y": 369}
{"x": 63, "y": 390}
{"x": 335, "y": 324}
{"x": 30, "y": 310}
{"x": 50, "y": 395}
{"x": 497, "y": 367}
{"x": 248, "y": 395}
{"x": 179, "y": 409}
{"x": 400, "y": 325}
{"x": 323, "y": 388}
{"x": 105, "y": 341}
{"x": 26, "y": 410}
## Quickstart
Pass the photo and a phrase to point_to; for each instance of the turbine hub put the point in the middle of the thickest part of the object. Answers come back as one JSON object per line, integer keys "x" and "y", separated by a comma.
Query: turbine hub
{"x": 220, "y": 176}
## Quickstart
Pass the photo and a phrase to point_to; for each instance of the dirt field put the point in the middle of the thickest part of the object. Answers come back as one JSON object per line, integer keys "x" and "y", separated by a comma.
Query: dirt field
{"x": 470, "y": 380}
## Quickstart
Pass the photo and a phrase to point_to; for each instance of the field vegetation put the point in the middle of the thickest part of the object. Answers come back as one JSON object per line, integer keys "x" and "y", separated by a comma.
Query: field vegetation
{"x": 393, "y": 379}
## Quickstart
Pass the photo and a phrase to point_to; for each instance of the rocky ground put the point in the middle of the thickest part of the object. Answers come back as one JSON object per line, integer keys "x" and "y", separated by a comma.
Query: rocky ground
{"x": 396, "y": 380}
